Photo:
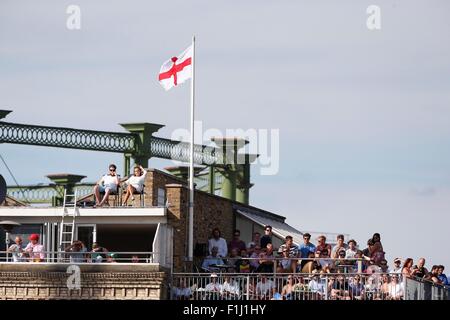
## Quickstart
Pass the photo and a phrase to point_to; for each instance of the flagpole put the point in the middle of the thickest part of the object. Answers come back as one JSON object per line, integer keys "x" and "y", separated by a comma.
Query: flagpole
{"x": 191, "y": 162}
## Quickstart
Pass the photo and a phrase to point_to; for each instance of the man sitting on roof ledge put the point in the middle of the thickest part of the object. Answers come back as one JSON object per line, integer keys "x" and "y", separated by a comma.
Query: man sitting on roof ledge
{"x": 108, "y": 184}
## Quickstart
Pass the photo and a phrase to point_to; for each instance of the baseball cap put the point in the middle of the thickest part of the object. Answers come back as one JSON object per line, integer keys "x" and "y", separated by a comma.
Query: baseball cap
{"x": 33, "y": 236}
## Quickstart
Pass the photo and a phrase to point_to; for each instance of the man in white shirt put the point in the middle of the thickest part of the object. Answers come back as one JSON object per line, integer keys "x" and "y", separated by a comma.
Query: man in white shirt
{"x": 17, "y": 250}
{"x": 397, "y": 266}
{"x": 219, "y": 242}
{"x": 352, "y": 250}
{"x": 340, "y": 244}
{"x": 108, "y": 184}
{"x": 265, "y": 288}
{"x": 213, "y": 289}
{"x": 315, "y": 286}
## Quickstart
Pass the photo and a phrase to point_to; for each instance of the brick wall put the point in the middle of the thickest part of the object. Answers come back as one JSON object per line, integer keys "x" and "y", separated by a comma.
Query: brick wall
{"x": 209, "y": 212}
{"x": 98, "y": 286}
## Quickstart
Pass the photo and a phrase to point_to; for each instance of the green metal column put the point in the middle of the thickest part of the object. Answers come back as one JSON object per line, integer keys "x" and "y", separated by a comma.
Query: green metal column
{"x": 243, "y": 187}
{"x": 212, "y": 179}
{"x": 127, "y": 164}
{"x": 144, "y": 131}
{"x": 229, "y": 183}
{"x": 63, "y": 181}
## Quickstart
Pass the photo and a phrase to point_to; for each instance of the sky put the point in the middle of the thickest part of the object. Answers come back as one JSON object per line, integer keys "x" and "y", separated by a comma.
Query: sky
{"x": 363, "y": 115}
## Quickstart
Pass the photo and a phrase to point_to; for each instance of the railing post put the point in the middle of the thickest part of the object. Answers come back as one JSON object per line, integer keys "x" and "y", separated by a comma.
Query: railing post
{"x": 326, "y": 287}
{"x": 248, "y": 287}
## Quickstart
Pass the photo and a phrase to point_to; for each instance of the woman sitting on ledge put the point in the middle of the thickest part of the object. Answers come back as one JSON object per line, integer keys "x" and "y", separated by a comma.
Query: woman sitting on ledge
{"x": 135, "y": 183}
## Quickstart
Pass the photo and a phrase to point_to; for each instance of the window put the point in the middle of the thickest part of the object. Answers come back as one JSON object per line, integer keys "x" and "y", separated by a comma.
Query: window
{"x": 161, "y": 197}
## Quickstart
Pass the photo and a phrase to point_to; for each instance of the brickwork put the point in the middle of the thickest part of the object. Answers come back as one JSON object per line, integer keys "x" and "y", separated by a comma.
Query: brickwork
{"x": 209, "y": 212}
{"x": 100, "y": 286}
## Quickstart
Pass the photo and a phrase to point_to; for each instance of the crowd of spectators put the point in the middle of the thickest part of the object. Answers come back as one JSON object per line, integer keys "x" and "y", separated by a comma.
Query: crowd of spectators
{"x": 305, "y": 271}
{"x": 347, "y": 267}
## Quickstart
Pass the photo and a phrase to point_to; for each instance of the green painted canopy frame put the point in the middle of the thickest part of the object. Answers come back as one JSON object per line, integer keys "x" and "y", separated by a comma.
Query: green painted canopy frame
{"x": 141, "y": 145}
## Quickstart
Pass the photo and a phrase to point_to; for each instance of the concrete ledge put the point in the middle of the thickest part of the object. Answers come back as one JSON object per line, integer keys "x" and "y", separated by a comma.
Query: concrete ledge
{"x": 84, "y": 267}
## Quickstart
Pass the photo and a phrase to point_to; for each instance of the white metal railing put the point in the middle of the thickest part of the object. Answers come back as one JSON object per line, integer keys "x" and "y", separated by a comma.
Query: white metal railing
{"x": 79, "y": 257}
{"x": 296, "y": 286}
{"x": 283, "y": 264}
{"x": 419, "y": 289}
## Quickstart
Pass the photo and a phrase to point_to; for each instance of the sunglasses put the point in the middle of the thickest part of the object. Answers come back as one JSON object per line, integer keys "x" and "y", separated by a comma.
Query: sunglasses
{"x": 112, "y": 170}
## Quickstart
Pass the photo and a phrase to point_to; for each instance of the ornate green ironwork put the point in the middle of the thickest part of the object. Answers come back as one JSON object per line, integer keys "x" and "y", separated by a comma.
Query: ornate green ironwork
{"x": 40, "y": 194}
{"x": 177, "y": 150}
{"x": 66, "y": 137}
{"x": 103, "y": 141}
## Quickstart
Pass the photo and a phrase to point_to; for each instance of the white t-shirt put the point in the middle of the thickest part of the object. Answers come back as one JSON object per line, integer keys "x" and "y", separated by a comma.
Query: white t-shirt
{"x": 395, "y": 290}
{"x": 315, "y": 286}
{"x": 265, "y": 288}
{"x": 137, "y": 182}
{"x": 109, "y": 181}
{"x": 230, "y": 287}
{"x": 16, "y": 252}
{"x": 350, "y": 254}
{"x": 213, "y": 287}
{"x": 221, "y": 244}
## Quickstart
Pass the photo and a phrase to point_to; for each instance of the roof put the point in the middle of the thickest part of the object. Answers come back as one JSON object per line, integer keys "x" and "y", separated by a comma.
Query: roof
{"x": 279, "y": 228}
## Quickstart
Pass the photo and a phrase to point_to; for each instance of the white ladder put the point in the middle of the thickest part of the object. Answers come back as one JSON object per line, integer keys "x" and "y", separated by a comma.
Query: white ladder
{"x": 67, "y": 228}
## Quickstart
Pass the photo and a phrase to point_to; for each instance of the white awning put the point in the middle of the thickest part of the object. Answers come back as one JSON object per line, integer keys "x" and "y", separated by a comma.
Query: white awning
{"x": 282, "y": 229}
{"x": 279, "y": 229}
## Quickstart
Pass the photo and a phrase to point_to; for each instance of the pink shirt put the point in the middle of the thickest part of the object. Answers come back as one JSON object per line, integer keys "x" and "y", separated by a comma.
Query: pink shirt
{"x": 35, "y": 250}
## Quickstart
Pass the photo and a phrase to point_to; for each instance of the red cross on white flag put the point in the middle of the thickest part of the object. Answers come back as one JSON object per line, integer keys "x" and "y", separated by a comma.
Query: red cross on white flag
{"x": 176, "y": 70}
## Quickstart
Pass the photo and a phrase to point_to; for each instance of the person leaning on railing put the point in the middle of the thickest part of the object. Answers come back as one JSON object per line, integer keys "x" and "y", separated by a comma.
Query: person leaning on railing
{"x": 210, "y": 262}
{"x": 77, "y": 252}
{"x": 266, "y": 260}
{"x": 292, "y": 253}
{"x": 441, "y": 275}
{"x": 284, "y": 264}
{"x": 35, "y": 250}
{"x": 433, "y": 275}
{"x": 98, "y": 253}
{"x": 135, "y": 184}
{"x": 16, "y": 249}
